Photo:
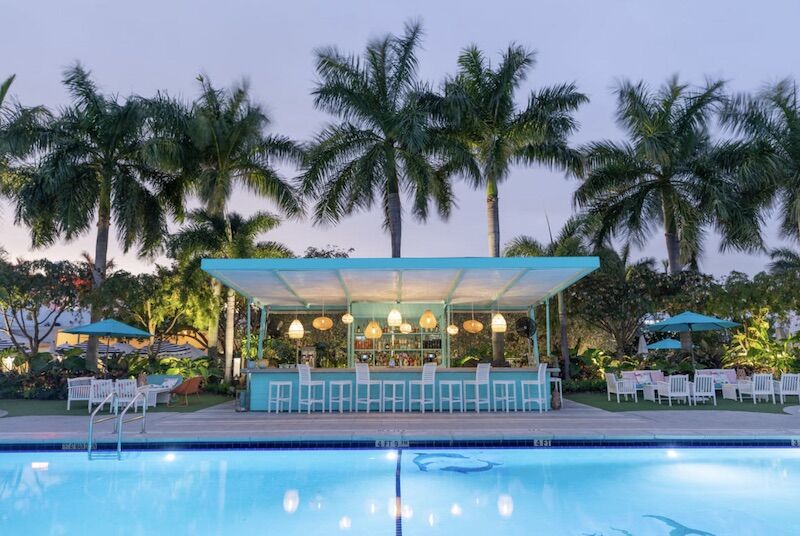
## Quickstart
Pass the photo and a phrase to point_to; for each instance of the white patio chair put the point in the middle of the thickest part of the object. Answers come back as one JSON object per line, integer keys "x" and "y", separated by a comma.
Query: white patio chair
{"x": 481, "y": 380}
{"x": 98, "y": 391}
{"x": 759, "y": 385}
{"x": 703, "y": 389}
{"x": 126, "y": 391}
{"x": 619, "y": 387}
{"x": 788, "y": 386}
{"x": 304, "y": 381}
{"x": 428, "y": 380}
{"x": 676, "y": 387}
{"x": 363, "y": 380}
{"x": 78, "y": 389}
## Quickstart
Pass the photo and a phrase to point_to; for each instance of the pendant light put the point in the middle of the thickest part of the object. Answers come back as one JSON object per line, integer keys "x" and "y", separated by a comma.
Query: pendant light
{"x": 322, "y": 323}
{"x": 452, "y": 329}
{"x": 498, "y": 323}
{"x": 406, "y": 328}
{"x": 373, "y": 330}
{"x": 427, "y": 320}
{"x": 472, "y": 325}
{"x": 296, "y": 330}
{"x": 395, "y": 318}
{"x": 347, "y": 318}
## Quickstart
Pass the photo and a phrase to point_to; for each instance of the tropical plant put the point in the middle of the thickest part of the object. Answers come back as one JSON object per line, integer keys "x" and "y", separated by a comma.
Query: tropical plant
{"x": 784, "y": 260}
{"x": 95, "y": 167}
{"x": 754, "y": 349}
{"x": 771, "y": 119}
{"x": 380, "y": 149}
{"x": 232, "y": 236}
{"x": 479, "y": 110}
{"x": 670, "y": 173}
{"x": 569, "y": 242}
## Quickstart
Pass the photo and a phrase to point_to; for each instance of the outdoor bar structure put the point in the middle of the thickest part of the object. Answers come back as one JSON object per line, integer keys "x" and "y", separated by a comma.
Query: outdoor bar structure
{"x": 398, "y": 313}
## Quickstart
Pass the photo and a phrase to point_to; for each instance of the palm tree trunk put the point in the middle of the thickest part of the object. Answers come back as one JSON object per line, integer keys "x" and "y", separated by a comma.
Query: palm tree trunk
{"x": 562, "y": 324}
{"x": 100, "y": 265}
{"x": 213, "y": 324}
{"x": 674, "y": 257}
{"x": 493, "y": 220}
{"x": 393, "y": 206}
{"x": 230, "y": 310}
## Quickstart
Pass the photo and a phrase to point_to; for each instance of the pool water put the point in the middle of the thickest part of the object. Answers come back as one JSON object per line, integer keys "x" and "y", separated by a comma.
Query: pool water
{"x": 634, "y": 492}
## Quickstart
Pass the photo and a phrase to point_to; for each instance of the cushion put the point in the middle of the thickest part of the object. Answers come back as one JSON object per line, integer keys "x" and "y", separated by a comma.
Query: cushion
{"x": 170, "y": 383}
{"x": 643, "y": 378}
{"x": 720, "y": 377}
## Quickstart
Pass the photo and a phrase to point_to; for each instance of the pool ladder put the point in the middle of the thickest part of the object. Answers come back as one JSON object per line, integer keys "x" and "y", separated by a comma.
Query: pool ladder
{"x": 120, "y": 420}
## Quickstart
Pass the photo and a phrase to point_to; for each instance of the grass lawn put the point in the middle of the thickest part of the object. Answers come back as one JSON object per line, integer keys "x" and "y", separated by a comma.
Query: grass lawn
{"x": 599, "y": 400}
{"x": 19, "y": 407}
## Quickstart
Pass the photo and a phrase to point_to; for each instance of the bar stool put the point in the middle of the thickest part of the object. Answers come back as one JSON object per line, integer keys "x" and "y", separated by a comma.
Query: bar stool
{"x": 555, "y": 384}
{"x": 535, "y": 390}
{"x": 310, "y": 400}
{"x": 449, "y": 394}
{"x": 504, "y": 394}
{"x": 337, "y": 394}
{"x": 481, "y": 380}
{"x": 362, "y": 379}
{"x": 393, "y": 392}
{"x": 278, "y": 394}
{"x": 428, "y": 380}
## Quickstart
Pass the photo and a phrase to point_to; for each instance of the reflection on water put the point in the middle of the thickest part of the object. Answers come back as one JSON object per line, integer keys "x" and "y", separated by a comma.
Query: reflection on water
{"x": 648, "y": 492}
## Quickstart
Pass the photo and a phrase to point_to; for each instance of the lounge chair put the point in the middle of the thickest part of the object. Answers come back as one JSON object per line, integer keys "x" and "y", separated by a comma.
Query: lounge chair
{"x": 189, "y": 387}
{"x": 126, "y": 391}
{"x": 788, "y": 386}
{"x": 98, "y": 391}
{"x": 677, "y": 387}
{"x": 760, "y": 385}
{"x": 78, "y": 390}
{"x": 619, "y": 387}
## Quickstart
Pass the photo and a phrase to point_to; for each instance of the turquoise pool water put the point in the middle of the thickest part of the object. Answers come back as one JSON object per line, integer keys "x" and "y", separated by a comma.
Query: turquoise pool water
{"x": 635, "y": 492}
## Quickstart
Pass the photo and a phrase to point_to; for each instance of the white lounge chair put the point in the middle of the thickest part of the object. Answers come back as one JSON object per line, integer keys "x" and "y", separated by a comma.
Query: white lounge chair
{"x": 126, "y": 391}
{"x": 428, "y": 380}
{"x": 98, "y": 391}
{"x": 761, "y": 385}
{"x": 788, "y": 386}
{"x": 481, "y": 380}
{"x": 676, "y": 387}
{"x": 618, "y": 387}
{"x": 703, "y": 389}
{"x": 78, "y": 389}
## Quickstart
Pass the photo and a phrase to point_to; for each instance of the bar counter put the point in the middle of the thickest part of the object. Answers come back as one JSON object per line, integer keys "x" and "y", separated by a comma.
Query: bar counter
{"x": 258, "y": 381}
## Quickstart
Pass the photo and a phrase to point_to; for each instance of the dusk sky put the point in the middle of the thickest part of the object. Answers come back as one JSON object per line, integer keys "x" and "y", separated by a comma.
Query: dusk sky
{"x": 148, "y": 45}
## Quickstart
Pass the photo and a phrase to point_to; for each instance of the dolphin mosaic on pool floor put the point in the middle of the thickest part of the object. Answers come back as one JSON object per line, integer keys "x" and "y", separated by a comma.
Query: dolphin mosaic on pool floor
{"x": 675, "y": 529}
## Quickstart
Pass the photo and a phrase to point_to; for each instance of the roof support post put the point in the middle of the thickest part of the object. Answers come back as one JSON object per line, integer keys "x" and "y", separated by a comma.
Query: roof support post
{"x": 262, "y": 330}
{"x": 547, "y": 320}
{"x": 534, "y": 335}
{"x": 248, "y": 332}
{"x": 351, "y": 338}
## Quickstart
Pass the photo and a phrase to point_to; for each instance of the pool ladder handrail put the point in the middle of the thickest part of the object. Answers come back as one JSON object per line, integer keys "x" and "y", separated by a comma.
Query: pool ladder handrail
{"x": 110, "y": 399}
{"x": 143, "y": 417}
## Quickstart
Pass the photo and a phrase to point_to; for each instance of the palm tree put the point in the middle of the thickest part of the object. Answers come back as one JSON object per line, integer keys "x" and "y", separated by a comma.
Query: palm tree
{"x": 222, "y": 143}
{"x": 569, "y": 242}
{"x": 669, "y": 174}
{"x": 380, "y": 149}
{"x": 230, "y": 236}
{"x": 771, "y": 119}
{"x": 784, "y": 260}
{"x": 93, "y": 168}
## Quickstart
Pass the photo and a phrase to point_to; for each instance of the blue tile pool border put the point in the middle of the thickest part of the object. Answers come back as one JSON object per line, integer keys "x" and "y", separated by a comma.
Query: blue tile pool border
{"x": 371, "y": 444}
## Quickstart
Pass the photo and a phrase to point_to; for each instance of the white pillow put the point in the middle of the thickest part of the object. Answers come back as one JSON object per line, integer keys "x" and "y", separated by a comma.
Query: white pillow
{"x": 169, "y": 384}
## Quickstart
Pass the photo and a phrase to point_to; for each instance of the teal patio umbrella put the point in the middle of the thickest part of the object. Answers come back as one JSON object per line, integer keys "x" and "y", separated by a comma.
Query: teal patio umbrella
{"x": 689, "y": 322}
{"x": 109, "y": 328}
{"x": 665, "y": 344}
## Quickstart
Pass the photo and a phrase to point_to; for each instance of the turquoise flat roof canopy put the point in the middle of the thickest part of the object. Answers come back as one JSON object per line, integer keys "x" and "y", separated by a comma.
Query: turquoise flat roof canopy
{"x": 506, "y": 283}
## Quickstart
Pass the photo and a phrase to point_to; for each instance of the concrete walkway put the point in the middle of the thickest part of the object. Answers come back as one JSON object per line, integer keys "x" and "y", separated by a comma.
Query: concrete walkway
{"x": 574, "y": 421}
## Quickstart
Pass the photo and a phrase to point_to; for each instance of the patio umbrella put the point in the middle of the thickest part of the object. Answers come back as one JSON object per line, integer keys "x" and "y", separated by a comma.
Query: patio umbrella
{"x": 109, "y": 328}
{"x": 689, "y": 322}
{"x": 665, "y": 344}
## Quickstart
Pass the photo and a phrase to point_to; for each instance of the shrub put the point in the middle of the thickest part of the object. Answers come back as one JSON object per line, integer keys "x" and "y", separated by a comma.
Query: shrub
{"x": 581, "y": 386}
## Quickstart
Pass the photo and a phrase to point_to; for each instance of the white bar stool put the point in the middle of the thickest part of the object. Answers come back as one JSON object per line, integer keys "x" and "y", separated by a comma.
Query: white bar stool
{"x": 339, "y": 392}
{"x": 278, "y": 394}
{"x": 504, "y": 394}
{"x": 310, "y": 400}
{"x": 481, "y": 380}
{"x": 428, "y": 380}
{"x": 363, "y": 379}
{"x": 555, "y": 384}
{"x": 451, "y": 392}
{"x": 393, "y": 392}
{"x": 535, "y": 390}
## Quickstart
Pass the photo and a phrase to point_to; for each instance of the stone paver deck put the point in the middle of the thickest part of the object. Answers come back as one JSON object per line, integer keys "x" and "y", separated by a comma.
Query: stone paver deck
{"x": 574, "y": 421}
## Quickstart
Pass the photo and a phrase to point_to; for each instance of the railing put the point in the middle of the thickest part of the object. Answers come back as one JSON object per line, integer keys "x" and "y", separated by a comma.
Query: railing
{"x": 121, "y": 421}
{"x": 110, "y": 399}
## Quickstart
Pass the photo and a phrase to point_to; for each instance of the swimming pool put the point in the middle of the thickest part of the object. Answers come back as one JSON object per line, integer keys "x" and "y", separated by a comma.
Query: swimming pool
{"x": 637, "y": 492}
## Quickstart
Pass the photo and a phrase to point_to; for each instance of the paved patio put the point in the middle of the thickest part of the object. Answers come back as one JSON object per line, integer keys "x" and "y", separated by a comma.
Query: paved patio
{"x": 574, "y": 421}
